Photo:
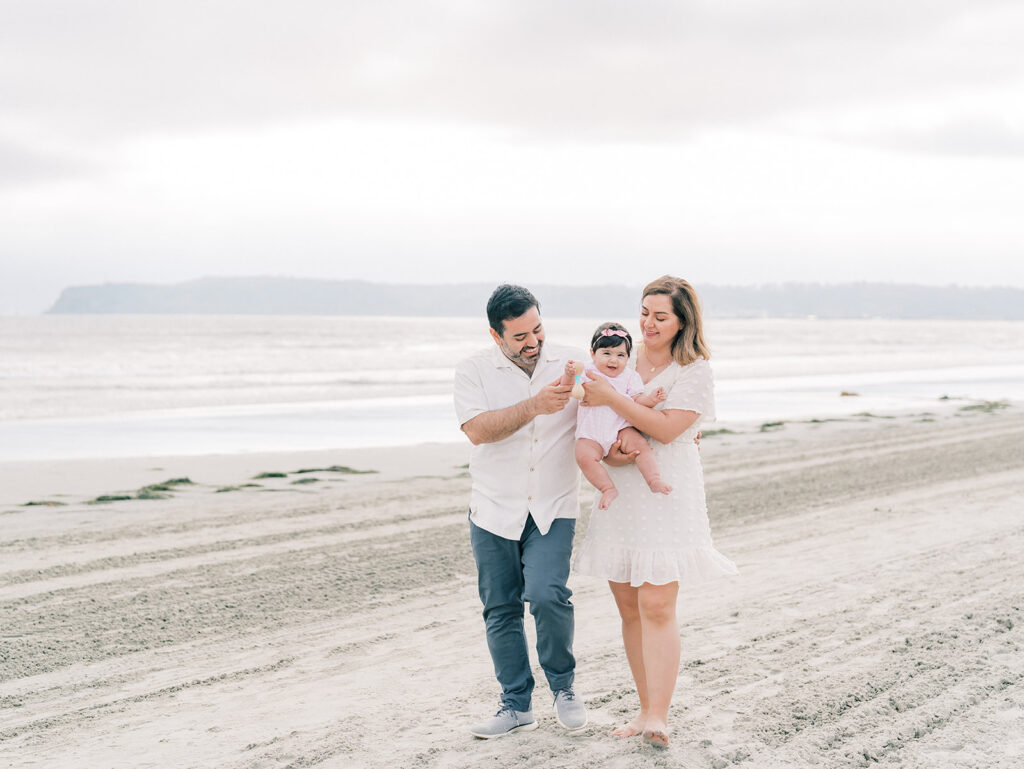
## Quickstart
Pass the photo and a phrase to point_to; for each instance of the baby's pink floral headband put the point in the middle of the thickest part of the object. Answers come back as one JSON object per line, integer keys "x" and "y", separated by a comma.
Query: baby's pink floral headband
{"x": 614, "y": 332}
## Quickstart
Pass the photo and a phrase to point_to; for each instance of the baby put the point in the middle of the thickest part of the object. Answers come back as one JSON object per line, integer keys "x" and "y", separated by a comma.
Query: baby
{"x": 598, "y": 427}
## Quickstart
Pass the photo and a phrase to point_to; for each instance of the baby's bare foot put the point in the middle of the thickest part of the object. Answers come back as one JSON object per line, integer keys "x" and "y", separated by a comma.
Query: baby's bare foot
{"x": 607, "y": 497}
{"x": 660, "y": 487}
{"x": 569, "y": 376}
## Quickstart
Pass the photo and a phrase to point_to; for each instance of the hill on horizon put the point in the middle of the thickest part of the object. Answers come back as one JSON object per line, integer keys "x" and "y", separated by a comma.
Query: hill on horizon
{"x": 297, "y": 296}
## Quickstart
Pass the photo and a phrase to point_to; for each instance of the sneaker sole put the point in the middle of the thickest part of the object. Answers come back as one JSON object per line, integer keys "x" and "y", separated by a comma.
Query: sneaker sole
{"x": 520, "y": 728}
{"x": 570, "y": 729}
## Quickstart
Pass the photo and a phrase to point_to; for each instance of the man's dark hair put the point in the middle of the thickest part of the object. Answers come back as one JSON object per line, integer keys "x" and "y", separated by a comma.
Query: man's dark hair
{"x": 508, "y": 302}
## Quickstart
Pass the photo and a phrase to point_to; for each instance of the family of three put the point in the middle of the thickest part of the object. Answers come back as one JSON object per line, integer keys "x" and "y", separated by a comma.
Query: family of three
{"x": 633, "y": 435}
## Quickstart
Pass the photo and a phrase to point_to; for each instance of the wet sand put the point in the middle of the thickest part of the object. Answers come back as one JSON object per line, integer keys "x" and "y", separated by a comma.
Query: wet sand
{"x": 335, "y": 623}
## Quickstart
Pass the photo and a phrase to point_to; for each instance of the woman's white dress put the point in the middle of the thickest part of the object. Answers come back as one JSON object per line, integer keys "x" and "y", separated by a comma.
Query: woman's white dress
{"x": 660, "y": 538}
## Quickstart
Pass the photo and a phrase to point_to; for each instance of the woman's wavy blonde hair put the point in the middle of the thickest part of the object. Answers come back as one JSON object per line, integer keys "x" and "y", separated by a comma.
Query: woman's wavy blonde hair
{"x": 689, "y": 344}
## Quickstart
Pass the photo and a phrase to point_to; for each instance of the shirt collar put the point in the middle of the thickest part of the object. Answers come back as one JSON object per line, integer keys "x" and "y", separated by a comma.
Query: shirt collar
{"x": 499, "y": 359}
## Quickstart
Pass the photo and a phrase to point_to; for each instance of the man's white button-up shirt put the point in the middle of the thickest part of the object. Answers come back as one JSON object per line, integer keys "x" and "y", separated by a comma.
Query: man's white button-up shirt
{"x": 533, "y": 471}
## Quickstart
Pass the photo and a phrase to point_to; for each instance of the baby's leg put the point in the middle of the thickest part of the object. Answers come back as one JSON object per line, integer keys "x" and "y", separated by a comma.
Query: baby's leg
{"x": 645, "y": 460}
{"x": 588, "y": 456}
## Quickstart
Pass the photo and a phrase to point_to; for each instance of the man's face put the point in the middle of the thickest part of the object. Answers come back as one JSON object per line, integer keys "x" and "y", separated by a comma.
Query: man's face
{"x": 522, "y": 339}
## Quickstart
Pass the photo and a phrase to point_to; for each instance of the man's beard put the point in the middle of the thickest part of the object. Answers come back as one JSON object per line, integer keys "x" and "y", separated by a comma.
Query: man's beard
{"x": 523, "y": 362}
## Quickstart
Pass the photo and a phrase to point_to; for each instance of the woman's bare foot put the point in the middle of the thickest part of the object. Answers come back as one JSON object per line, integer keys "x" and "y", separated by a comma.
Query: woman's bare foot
{"x": 656, "y": 734}
{"x": 607, "y": 497}
{"x": 632, "y": 729}
{"x": 660, "y": 487}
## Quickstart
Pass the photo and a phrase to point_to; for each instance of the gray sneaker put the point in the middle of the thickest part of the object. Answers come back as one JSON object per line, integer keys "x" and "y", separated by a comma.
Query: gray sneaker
{"x": 570, "y": 712}
{"x": 505, "y": 721}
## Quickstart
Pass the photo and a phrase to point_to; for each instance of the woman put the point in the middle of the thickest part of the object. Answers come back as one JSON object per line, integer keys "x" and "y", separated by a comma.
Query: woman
{"x": 646, "y": 544}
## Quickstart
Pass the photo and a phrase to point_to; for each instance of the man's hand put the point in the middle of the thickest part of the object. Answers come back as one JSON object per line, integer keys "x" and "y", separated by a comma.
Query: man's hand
{"x": 618, "y": 458}
{"x": 552, "y": 398}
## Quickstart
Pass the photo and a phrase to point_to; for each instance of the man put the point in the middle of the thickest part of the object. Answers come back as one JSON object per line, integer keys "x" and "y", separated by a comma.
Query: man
{"x": 513, "y": 406}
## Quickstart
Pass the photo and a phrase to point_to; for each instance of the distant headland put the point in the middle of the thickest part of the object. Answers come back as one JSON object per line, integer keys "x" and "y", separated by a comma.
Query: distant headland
{"x": 296, "y": 296}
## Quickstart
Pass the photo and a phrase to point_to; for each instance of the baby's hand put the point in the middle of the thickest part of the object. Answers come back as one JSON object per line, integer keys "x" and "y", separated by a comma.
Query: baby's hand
{"x": 658, "y": 395}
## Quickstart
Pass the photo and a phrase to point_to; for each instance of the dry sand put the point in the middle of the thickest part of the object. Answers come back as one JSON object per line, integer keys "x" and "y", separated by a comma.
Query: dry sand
{"x": 877, "y": 619}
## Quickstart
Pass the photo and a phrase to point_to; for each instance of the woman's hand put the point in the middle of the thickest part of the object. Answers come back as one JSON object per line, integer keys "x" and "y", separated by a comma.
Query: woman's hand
{"x": 617, "y": 457}
{"x": 598, "y": 393}
{"x": 629, "y": 440}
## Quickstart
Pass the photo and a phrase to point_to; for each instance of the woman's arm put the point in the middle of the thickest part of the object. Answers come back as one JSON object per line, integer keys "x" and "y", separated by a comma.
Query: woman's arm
{"x": 664, "y": 426}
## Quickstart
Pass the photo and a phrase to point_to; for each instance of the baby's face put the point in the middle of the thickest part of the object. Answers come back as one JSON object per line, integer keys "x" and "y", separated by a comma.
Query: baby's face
{"x": 611, "y": 361}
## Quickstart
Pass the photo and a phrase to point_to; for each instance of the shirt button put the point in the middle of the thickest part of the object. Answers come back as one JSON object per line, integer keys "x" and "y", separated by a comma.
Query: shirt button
{"x": 531, "y": 469}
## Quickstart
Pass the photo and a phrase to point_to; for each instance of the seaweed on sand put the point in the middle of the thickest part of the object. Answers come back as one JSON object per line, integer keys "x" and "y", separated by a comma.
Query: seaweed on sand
{"x": 152, "y": 491}
{"x": 335, "y": 469}
{"x": 238, "y": 488}
{"x": 986, "y": 407}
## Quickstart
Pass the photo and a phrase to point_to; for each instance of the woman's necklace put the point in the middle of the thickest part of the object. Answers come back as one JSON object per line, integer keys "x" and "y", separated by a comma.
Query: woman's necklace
{"x": 655, "y": 367}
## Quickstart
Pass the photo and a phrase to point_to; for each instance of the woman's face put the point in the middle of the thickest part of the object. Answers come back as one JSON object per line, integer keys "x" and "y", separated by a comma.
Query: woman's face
{"x": 658, "y": 322}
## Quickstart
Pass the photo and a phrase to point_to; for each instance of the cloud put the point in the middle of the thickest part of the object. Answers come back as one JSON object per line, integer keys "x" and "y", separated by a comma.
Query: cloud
{"x": 338, "y": 137}
{"x": 970, "y": 136}
{"x": 20, "y": 165}
{"x": 649, "y": 69}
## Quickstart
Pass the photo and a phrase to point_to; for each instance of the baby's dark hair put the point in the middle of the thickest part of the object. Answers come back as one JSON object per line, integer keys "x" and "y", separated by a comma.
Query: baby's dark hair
{"x": 601, "y": 339}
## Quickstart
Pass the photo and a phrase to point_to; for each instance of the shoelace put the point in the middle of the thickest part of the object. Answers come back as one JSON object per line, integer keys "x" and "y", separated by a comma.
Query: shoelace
{"x": 569, "y": 694}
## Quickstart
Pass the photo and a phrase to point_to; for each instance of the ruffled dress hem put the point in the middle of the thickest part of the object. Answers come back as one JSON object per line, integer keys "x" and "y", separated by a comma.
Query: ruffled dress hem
{"x": 689, "y": 566}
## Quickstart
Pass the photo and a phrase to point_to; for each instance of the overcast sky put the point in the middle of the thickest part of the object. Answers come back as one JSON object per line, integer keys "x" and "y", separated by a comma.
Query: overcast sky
{"x": 537, "y": 141}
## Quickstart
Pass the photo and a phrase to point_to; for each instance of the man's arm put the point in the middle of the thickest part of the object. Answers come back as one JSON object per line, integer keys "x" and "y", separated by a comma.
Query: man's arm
{"x": 497, "y": 425}
{"x": 494, "y": 426}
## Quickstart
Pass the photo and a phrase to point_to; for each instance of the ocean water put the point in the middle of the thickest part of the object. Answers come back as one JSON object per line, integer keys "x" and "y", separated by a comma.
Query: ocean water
{"x": 96, "y": 386}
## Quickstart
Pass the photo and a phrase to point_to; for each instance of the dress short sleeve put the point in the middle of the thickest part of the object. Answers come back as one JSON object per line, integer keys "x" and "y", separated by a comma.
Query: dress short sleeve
{"x": 693, "y": 390}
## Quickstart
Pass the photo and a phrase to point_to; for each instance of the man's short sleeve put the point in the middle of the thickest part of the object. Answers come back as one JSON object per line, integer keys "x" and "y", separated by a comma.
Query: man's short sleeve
{"x": 470, "y": 398}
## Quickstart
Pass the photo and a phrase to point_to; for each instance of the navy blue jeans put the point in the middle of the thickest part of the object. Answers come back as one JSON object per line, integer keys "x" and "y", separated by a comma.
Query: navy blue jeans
{"x": 532, "y": 569}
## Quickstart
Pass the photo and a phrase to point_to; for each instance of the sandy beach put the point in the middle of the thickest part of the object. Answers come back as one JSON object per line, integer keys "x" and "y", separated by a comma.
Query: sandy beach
{"x": 327, "y": 616}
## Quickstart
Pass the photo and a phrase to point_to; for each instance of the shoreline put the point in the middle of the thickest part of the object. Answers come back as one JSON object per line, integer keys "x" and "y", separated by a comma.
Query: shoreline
{"x": 405, "y": 421}
{"x": 72, "y": 479}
